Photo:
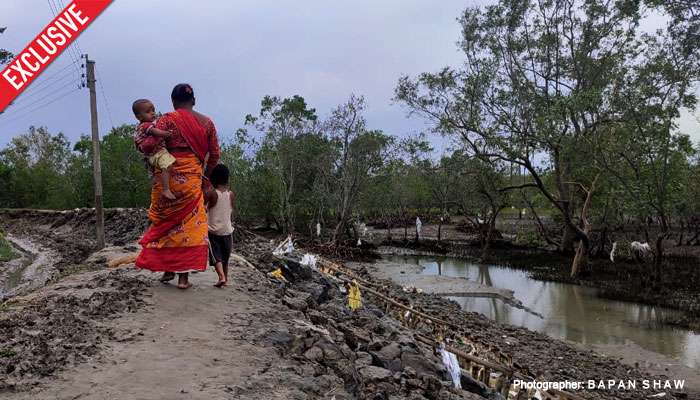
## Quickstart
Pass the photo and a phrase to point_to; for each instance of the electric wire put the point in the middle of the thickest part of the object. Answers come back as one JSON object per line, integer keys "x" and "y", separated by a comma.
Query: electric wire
{"x": 56, "y": 90}
{"x": 32, "y": 92}
{"x": 104, "y": 96}
{"x": 43, "y": 80}
{"x": 74, "y": 46}
{"x": 75, "y": 42}
{"x": 55, "y": 10}
{"x": 30, "y": 112}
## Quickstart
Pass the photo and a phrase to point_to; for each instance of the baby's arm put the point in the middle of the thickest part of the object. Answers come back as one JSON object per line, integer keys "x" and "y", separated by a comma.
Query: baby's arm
{"x": 158, "y": 132}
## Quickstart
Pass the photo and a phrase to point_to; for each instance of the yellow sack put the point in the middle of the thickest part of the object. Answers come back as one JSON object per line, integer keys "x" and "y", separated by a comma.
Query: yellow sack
{"x": 354, "y": 296}
{"x": 278, "y": 274}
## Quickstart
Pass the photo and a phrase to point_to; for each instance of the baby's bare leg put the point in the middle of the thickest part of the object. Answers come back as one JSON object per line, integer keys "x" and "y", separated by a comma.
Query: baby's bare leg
{"x": 165, "y": 181}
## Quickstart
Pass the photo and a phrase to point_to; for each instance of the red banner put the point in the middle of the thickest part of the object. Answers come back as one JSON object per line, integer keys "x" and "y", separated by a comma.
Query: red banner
{"x": 47, "y": 46}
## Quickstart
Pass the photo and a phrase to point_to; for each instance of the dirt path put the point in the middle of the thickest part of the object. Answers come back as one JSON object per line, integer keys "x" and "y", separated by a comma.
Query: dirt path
{"x": 179, "y": 347}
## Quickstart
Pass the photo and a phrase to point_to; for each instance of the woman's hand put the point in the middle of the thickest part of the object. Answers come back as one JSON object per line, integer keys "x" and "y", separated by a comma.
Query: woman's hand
{"x": 210, "y": 196}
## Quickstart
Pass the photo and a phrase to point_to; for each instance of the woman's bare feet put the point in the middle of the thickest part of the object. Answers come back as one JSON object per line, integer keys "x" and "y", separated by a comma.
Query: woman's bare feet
{"x": 183, "y": 282}
{"x": 167, "y": 277}
{"x": 168, "y": 194}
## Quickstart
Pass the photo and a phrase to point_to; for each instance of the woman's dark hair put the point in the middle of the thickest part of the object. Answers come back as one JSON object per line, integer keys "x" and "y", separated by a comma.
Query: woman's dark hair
{"x": 182, "y": 93}
{"x": 219, "y": 175}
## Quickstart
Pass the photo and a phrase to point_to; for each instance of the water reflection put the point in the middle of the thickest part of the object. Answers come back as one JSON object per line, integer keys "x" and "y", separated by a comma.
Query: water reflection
{"x": 571, "y": 312}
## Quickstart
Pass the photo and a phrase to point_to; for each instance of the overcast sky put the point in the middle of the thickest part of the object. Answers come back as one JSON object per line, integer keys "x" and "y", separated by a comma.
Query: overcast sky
{"x": 234, "y": 53}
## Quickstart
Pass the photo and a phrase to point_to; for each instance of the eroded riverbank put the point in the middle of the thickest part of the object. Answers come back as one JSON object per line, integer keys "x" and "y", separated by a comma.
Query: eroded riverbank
{"x": 636, "y": 333}
{"x": 32, "y": 269}
{"x": 305, "y": 341}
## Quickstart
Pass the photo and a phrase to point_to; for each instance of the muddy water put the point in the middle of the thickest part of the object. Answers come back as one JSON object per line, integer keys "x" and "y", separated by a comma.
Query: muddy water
{"x": 570, "y": 312}
{"x": 29, "y": 271}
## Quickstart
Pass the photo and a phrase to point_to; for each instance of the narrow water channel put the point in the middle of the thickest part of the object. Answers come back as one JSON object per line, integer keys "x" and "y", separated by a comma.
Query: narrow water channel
{"x": 570, "y": 312}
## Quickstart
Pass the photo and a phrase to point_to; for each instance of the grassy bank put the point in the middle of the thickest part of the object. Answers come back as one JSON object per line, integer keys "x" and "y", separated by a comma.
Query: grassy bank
{"x": 7, "y": 253}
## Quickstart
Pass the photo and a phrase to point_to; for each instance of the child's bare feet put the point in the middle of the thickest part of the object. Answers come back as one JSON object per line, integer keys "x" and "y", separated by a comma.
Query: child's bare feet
{"x": 220, "y": 272}
{"x": 168, "y": 194}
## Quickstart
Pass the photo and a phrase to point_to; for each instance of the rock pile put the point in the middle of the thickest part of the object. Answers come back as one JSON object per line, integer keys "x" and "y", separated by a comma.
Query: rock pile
{"x": 368, "y": 351}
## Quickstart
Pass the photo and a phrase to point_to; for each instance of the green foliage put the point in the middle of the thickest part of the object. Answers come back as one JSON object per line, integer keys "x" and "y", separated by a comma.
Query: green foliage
{"x": 33, "y": 167}
{"x": 41, "y": 170}
{"x": 578, "y": 96}
{"x": 124, "y": 178}
{"x": 7, "y": 253}
{"x": 529, "y": 238}
{"x": 5, "y": 55}
{"x": 291, "y": 139}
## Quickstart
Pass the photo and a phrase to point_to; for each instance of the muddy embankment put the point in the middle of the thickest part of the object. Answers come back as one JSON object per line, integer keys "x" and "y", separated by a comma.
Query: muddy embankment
{"x": 53, "y": 244}
{"x": 322, "y": 349}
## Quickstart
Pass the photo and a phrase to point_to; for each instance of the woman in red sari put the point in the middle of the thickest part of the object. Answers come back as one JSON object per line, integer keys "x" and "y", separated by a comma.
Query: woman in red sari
{"x": 176, "y": 241}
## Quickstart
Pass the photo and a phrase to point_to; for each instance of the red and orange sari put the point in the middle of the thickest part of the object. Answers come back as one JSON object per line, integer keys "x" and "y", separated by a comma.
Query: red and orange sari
{"x": 177, "y": 239}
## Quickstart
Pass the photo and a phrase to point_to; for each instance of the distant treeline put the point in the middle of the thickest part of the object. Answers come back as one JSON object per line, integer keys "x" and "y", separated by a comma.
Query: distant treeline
{"x": 294, "y": 171}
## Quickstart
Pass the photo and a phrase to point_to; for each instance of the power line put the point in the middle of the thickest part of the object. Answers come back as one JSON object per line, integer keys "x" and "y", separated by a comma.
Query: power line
{"x": 77, "y": 46}
{"x": 104, "y": 96}
{"x": 51, "y": 6}
{"x": 41, "y": 106}
{"x": 58, "y": 89}
{"x": 74, "y": 46}
{"x": 55, "y": 10}
{"x": 32, "y": 92}
{"x": 49, "y": 77}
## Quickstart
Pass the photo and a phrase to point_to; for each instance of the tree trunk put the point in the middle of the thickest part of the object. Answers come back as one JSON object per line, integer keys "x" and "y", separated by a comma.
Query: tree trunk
{"x": 439, "y": 237}
{"x": 581, "y": 257}
{"x": 566, "y": 245}
{"x": 336, "y": 232}
{"x": 584, "y": 246}
{"x": 355, "y": 234}
{"x": 278, "y": 226}
{"x": 488, "y": 237}
{"x": 658, "y": 258}
{"x": 603, "y": 240}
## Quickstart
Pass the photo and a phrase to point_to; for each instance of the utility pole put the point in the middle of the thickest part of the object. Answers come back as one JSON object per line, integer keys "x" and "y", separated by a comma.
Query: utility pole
{"x": 96, "y": 166}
